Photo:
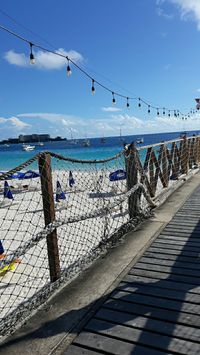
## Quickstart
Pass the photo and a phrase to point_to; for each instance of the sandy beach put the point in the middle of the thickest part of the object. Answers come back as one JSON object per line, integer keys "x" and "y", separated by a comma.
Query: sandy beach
{"x": 23, "y": 218}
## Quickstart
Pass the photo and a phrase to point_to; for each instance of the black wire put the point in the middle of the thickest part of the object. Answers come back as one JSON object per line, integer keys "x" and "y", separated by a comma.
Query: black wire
{"x": 26, "y": 28}
{"x": 86, "y": 74}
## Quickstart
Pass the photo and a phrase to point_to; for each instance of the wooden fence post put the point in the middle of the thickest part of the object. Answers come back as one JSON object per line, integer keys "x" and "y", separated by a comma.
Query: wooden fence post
{"x": 44, "y": 163}
{"x": 132, "y": 180}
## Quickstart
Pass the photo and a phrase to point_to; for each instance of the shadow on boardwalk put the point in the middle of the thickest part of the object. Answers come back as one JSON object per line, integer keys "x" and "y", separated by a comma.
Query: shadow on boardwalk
{"x": 156, "y": 307}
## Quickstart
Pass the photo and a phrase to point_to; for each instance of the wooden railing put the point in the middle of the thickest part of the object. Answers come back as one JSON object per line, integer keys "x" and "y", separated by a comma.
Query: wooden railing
{"x": 160, "y": 163}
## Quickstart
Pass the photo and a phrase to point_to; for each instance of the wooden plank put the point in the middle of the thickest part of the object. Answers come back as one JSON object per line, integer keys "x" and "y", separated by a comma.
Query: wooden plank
{"x": 76, "y": 350}
{"x": 110, "y": 345}
{"x": 185, "y": 243}
{"x": 153, "y": 290}
{"x": 162, "y": 303}
{"x": 163, "y": 256}
{"x": 154, "y": 325}
{"x": 180, "y": 237}
{"x": 167, "y": 269}
{"x": 176, "y": 246}
{"x": 163, "y": 249}
{"x": 164, "y": 275}
{"x": 170, "y": 263}
{"x": 171, "y": 285}
{"x": 182, "y": 226}
{"x": 142, "y": 337}
{"x": 184, "y": 233}
{"x": 153, "y": 312}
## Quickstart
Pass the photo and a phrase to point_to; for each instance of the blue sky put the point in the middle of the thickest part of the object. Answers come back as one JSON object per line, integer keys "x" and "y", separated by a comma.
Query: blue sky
{"x": 138, "y": 48}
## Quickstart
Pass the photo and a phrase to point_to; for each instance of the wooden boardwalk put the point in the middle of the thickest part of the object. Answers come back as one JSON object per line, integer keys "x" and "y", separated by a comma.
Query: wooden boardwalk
{"x": 156, "y": 307}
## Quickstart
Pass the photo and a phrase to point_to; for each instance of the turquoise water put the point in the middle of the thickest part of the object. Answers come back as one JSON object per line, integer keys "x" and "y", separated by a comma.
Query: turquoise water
{"x": 13, "y": 155}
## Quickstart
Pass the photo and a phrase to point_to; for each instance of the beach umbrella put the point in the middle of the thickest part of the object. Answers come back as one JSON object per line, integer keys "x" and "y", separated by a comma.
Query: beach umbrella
{"x": 1, "y": 248}
{"x": 71, "y": 179}
{"x": 13, "y": 176}
{"x": 29, "y": 174}
{"x": 117, "y": 175}
{"x": 60, "y": 195}
{"x": 7, "y": 191}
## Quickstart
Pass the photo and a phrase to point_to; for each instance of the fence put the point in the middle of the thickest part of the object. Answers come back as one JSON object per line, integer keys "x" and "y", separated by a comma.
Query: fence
{"x": 63, "y": 218}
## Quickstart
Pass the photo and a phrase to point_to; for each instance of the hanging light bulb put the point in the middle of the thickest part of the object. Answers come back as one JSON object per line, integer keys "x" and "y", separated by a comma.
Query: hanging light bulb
{"x": 175, "y": 115}
{"x": 127, "y": 104}
{"x": 32, "y": 58}
{"x": 158, "y": 112}
{"x": 169, "y": 113}
{"x": 93, "y": 88}
{"x": 149, "y": 111}
{"x": 113, "y": 99}
{"x": 163, "y": 111}
{"x": 139, "y": 104}
{"x": 69, "y": 72}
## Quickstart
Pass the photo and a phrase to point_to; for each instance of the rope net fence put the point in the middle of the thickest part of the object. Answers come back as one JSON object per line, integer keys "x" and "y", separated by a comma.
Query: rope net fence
{"x": 58, "y": 214}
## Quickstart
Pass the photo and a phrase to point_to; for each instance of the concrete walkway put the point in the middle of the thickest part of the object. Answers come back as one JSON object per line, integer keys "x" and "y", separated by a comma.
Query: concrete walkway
{"x": 57, "y": 324}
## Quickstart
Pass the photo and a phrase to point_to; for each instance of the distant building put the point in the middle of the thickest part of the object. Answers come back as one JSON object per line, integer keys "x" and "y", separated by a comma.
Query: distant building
{"x": 28, "y": 138}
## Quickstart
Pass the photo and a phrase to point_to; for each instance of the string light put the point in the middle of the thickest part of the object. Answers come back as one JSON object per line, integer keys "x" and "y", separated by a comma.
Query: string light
{"x": 32, "y": 58}
{"x": 32, "y": 61}
{"x": 93, "y": 88}
{"x": 113, "y": 99}
{"x": 127, "y": 103}
{"x": 69, "y": 72}
{"x": 158, "y": 112}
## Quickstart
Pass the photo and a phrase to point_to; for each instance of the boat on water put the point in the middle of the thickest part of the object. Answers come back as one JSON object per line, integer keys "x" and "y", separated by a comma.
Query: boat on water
{"x": 103, "y": 140}
{"x": 140, "y": 140}
{"x": 28, "y": 147}
{"x": 40, "y": 143}
{"x": 86, "y": 143}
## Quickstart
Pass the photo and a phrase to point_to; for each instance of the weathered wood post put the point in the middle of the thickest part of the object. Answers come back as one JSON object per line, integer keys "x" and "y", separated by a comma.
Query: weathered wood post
{"x": 132, "y": 180}
{"x": 184, "y": 155}
{"x": 44, "y": 163}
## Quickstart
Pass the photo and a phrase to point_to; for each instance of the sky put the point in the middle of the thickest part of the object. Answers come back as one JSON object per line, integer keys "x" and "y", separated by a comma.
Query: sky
{"x": 146, "y": 49}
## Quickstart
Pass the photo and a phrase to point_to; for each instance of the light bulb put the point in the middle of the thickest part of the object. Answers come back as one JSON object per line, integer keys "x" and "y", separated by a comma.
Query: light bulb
{"x": 113, "y": 100}
{"x": 69, "y": 72}
{"x": 93, "y": 88}
{"x": 32, "y": 58}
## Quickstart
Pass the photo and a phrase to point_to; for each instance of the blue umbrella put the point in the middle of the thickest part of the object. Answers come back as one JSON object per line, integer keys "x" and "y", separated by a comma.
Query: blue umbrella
{"x": 7, "y": 191}
{"x": 60, "y": 195}
{"x": 30, "y": 174}
{"x": 1, "y": 248}
{"x": 13, "y": 176}
{"x": 117, "y": 175}
{"x": 71, "y": 179}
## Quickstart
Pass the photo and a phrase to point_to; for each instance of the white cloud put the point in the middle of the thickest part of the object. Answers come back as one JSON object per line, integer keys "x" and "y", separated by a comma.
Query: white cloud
{"x": 43, "y": 59}
{"x": 189, "y": 9}
{"x": 18, "y": 124}
{"x": 12, "y": 127}
{"x": 2, "y": 120}
{"x": 18, "y": 59}
{"x": 160, "y": 11}
{"x": 110, "y": 125}
{"x": 110, "y": 109}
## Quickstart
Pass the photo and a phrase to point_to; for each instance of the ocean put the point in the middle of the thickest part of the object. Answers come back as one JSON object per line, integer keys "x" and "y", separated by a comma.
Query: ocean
{"x": 12, "y": 156}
